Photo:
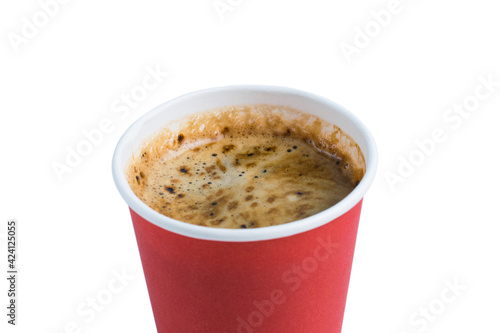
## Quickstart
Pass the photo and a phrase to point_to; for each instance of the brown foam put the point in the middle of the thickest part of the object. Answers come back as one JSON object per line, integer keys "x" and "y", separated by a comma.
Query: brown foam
{"x": 245, "y": 166}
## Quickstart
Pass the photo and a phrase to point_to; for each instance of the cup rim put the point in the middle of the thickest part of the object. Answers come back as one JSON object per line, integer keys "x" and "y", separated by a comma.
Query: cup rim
{"x": 244, "y": 235}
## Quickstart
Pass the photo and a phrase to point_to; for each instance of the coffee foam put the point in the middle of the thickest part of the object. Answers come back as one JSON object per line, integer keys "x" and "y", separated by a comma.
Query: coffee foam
{"x": 245, "y": 166}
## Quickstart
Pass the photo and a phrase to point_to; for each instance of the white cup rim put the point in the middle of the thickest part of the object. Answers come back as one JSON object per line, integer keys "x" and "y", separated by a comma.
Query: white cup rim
{"x": 244, "y": 235}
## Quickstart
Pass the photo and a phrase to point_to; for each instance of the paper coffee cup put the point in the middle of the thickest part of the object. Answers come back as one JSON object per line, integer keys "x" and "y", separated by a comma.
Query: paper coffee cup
{"x": 288, "y": 278}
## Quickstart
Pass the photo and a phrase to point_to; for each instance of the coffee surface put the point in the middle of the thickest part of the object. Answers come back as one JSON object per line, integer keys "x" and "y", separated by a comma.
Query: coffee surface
{"x": 245, "y": 167}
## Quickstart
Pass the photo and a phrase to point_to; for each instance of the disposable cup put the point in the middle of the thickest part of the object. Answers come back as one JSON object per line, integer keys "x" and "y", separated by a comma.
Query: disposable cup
{"x": 292, "y": 277}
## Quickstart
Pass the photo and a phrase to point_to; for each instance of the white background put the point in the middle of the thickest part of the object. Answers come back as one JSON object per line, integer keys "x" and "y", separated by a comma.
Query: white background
{"x": 441, "y": 223}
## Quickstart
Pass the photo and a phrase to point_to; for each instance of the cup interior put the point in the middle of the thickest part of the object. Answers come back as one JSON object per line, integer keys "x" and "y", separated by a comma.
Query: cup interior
{"x": 212, "y": 98}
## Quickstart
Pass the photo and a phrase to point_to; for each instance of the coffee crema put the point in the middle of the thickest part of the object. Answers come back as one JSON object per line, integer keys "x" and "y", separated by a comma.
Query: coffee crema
{"x": 245, "y": 166}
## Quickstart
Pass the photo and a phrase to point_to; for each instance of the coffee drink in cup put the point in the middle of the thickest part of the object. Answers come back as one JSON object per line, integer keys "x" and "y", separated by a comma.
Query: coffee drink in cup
{"x": 245, "y": 166}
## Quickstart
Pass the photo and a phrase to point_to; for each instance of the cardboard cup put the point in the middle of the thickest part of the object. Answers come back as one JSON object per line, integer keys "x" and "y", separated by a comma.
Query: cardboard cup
{"x": 289, "y": 278}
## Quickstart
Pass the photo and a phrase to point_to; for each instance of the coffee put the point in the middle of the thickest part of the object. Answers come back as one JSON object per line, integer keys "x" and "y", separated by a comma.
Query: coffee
{"x": 246, "y": 167}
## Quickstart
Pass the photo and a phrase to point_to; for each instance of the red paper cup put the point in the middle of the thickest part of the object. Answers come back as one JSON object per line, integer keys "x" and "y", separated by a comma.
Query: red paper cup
{"x": 287, "y": 278}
